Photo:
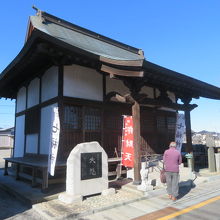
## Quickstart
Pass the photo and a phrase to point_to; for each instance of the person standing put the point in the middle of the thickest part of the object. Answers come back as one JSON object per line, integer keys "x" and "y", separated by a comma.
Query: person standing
{"x": 172, "y": 159}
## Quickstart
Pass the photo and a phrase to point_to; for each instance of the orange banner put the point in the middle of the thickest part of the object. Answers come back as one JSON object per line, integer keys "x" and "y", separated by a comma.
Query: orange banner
{"x": 127, "y": 142}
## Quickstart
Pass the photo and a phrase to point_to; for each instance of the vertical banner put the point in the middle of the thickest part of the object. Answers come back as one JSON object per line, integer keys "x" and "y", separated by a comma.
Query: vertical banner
{"x": 55, "y": 135}
{"x": 180, "y": 129}
{"x": 127, "y": 142}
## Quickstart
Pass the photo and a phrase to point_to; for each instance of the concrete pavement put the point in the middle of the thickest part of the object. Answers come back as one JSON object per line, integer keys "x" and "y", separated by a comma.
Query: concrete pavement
{"x": 11, "y": 208}
{"x": 157, "y": 204}
{"x": 127, "y": 203}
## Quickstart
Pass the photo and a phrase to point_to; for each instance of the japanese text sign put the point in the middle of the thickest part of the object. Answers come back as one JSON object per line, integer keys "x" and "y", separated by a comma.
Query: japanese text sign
{"x": 91, "y": 165}
{"x": 180, "y": 129}
{"x": 127, "y": 142}
{"x": 55, "y": 134}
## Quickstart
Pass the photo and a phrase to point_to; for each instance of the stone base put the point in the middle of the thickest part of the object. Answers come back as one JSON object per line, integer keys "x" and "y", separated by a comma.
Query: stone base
{"x": 130, "y": 173}
{"x": 109, "y": 191}
{"x": 145, "y": 188}
{"x": 142, "y": 187}
{"x": 68, "y": 199}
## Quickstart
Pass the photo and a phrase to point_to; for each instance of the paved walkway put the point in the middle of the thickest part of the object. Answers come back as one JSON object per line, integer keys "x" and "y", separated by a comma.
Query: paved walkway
{"x": 11, "y": 208}
{"x": 127, "y": 203}
{"x": 157, "y": 204}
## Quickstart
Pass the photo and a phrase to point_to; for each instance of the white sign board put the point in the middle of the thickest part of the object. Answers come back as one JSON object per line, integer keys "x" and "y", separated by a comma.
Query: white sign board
{"x": 180, "y": 129}
{"x": 55, "y": 135}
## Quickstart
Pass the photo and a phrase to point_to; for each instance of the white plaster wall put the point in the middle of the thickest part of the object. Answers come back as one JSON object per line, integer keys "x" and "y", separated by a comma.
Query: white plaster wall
{"x": 19, "y": 136}
{"x": 82, "y": 82}
{"x": 118, "y": 86}
{"x": 157, "y": 93}
{"x": 49, "y": 81}
{"x": 45, "y": 128}
{"x": 31, "y": 143}
{"x": 148, "y": 90}
{"x": 33, "y": 92}
{"x": 172, "y": 96}
{"x": 21, "y": 99}
{"x": 115, "y": 85}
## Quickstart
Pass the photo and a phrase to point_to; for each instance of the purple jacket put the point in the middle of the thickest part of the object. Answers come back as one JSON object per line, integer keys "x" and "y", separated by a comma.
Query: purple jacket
{"x": 172, "y": 159}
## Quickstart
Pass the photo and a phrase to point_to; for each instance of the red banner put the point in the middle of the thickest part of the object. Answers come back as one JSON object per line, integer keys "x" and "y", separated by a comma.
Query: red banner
{"x": 127, "y": 142}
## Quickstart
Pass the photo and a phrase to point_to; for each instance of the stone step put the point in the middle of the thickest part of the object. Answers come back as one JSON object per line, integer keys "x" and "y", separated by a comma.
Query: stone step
{"x": 23, "y": 191}
{"x": 130, "y": 187}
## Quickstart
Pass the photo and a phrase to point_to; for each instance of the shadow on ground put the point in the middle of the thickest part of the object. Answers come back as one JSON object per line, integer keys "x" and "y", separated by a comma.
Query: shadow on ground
{"x": 185, "y": 188}
{"x": 117, "y": 184}
{"x": 10, "y": 206}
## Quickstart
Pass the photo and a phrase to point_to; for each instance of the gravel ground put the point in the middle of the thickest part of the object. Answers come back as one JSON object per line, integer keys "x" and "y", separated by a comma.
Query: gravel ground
{"x": 57, "y": 209}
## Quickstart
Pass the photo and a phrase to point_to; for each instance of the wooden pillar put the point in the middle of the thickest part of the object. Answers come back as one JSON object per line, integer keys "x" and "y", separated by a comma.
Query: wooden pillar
{"x": 137, "y": 150}
{"x": 189, "y": 148}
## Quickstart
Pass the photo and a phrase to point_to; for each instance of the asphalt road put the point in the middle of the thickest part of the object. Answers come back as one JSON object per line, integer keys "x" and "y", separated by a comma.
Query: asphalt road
{"x": 206, "y": 210}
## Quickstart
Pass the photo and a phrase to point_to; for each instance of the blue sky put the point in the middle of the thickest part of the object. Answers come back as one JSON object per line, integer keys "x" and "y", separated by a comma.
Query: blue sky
{"x": 180, "y": 35}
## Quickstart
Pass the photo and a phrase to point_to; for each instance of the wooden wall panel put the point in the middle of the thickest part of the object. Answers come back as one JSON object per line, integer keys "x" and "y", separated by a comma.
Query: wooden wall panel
{"x": 104, "y": 123}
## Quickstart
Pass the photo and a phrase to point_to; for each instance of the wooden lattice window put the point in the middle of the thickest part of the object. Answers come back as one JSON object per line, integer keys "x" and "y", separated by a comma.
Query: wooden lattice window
{"x": 81, "y": 123}
{"x": 92, "y": 119}
{"x": 92, "y": 124}
{"x": 73, "y": 117}
{"x": 171, "y": 124}
{"x": 161, "y": 123}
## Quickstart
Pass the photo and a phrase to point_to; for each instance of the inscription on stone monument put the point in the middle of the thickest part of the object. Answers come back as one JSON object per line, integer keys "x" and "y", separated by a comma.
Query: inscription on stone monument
{"x": 91, "y": 165}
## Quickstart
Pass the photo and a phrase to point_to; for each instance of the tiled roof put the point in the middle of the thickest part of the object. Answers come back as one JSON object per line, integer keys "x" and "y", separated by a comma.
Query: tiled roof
{"x": 84, "y": 39}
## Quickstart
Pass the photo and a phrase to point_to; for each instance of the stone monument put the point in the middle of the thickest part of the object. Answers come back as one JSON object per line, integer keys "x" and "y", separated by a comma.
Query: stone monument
{"x": 210, "y": 143}
{"x": 211, "y": 159}
{"x": 87, "y": 172}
